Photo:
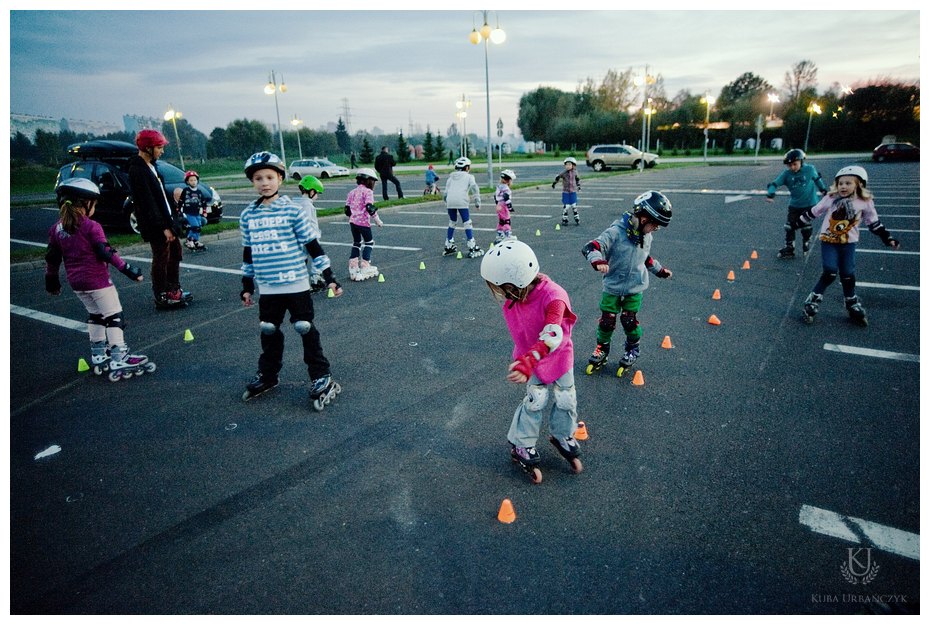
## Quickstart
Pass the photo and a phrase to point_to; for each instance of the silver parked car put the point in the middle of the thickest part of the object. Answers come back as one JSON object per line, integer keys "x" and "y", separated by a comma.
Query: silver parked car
{"x": 601, "y": 157}
{"x": 319, "y": 167}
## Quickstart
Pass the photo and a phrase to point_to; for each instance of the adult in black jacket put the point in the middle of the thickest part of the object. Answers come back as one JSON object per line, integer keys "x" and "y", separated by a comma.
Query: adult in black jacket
{"x": 154, "y": 212}
{"x": 384, "y": 165}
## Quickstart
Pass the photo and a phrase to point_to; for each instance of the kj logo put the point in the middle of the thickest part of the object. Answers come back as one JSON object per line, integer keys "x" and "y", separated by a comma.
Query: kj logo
{"x": 859, "y": 567}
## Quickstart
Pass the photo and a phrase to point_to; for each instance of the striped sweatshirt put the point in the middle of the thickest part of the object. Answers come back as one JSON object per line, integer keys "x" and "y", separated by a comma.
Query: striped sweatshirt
{"x": 277, "y": 233}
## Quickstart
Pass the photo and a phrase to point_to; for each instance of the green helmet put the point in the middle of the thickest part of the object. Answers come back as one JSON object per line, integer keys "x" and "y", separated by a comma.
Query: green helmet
{"x": 310, "y": 183}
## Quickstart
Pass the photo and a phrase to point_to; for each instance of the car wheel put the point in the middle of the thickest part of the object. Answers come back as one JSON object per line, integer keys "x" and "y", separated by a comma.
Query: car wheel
{"x": 134, "y": 223}
{"x": 636, "y": 164}
{"x": 881, "y": 159}
{"x": 650, "y": 164}
{"x": 296, "y": 176}
{"x": 598, "y": 166}
{"x": 324, "y": 175}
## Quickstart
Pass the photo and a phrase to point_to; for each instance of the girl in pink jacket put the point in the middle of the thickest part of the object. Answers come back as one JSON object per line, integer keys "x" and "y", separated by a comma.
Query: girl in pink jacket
{"x": 539, "y": 316}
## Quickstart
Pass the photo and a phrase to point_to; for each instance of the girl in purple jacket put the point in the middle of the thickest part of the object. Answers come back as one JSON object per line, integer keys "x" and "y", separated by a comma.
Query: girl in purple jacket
{"x": 79, "y": 242}
{"x": 540, "y": 319}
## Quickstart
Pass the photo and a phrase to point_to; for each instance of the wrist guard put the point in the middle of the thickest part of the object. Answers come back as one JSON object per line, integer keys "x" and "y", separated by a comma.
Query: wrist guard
{"x": 52, "y": 283}
{"x": 131, "y": 272}
{"x": 248, "y": 286}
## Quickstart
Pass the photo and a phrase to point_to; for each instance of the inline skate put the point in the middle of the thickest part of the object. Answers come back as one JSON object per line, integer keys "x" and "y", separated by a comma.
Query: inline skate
{"x": 365, "y": 271}
{"x": 99, "y": 357}
{"x": 169, "y": 300}
{"x": 568, "y": 448}
{"x": 628, "y": 358}
{"x": 450, "y": 248}
{"x": 598, "y": 359}
{"x": 473, "y": 250}
{"x": 856, "y": 311}
{"x": 323, "y": 391}
{"x": 787, "y": 251}
{"x": 124, "y": 365}
{"x": 564, "y": 215}
{"x": 806, "y": 247}
{"x": 528, "y": 459}
{"x": 811, "y": 306}
{"x": 575, "y": 213}
{"x": 258, "y": 385}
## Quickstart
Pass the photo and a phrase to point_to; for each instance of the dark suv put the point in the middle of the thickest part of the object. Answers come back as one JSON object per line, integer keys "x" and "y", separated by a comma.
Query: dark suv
{"x": 106, "y": 163}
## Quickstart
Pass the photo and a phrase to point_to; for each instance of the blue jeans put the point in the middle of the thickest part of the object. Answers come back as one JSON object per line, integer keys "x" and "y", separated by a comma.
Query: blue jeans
{"x": 195, "y": 222}
{"x": 837, "y": 258}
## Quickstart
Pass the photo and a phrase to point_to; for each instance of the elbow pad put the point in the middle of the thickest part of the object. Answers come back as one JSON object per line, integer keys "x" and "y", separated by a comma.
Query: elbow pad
{"x": 371, "y": 209}
{"x": 879, "y": 230}
{"x": 103, "y": 251}
{"x": 551, "y": 335}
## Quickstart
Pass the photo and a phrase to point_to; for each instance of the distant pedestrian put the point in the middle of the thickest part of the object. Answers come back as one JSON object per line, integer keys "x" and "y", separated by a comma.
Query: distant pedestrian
{"x": 571, "y": 184}
{"x": 461, "y": 190}
{"x": 155, "y": 215}
{"x": 503, "y": 198}
{"x": 539, "y": 316}
{"x": 193, "y": 204}
{"x": 384, "y": 165}
{"x": 847, "y": 205}
{"x": 451, "y": 157}
{"x": 361, "y": 211}
{"x": 803, "y": 182}
{"x": 352, "y": 162}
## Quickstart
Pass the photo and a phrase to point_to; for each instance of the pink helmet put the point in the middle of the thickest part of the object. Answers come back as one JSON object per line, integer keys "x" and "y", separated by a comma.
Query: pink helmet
{"x": 189, "y": 173}
{"x": 150, "y": 138}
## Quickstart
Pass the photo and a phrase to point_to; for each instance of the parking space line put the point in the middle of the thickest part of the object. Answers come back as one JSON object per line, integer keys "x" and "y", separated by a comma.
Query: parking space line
{"x": 47, "y": 318}
{"x": 882, "y": 537}
{"x": 444, "y": 214}
{"x": 872, "y": 353}
{"x": 877, "y": 285}
{"x": 888, "y": 252}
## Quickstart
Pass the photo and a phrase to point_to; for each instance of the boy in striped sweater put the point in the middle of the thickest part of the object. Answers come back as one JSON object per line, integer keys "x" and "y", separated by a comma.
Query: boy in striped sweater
{"x": 276, "y": 234}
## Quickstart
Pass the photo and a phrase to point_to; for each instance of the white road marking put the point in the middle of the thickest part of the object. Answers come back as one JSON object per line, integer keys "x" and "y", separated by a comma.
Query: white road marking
{"x": 888, "y": 252}
{"x": 873, "y": 353}
{"x": 32, "y": 243}
{"x": 473, "y": 214}
{"x": 901, "y": 216}
{"x": 47, "y": 318}
{"x": 877, "y": 285}
{"x": 735, "y": 198}
{"x": 849, "y": 528}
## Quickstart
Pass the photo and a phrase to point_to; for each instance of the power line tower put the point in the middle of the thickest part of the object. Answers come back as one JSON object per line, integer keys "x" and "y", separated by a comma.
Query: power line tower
{"x": 346, "y": 115}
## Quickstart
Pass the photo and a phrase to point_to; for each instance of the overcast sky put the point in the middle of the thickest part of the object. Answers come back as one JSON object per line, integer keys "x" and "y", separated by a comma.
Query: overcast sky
{"x": 394, "y": 67}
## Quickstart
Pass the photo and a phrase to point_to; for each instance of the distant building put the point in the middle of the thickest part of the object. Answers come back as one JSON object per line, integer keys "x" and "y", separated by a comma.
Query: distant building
{"x": 134, "y": 123}
{"x": 29, "y": 124}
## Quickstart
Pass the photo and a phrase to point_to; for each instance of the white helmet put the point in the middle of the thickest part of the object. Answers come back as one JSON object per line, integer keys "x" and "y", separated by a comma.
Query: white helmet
{"x": 462, "y": 162}
{"x": 77, "y": 188}
{"x": 366, "y": 172}
{"x": 570, "y": 159}
{"x": 510, "y": 262}
{"x": 853, "y": 170}
{"x": 508, "y": 173}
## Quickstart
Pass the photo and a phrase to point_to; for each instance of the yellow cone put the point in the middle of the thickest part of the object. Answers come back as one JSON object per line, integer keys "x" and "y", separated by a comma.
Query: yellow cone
{"x": 330, "y": 293}
{"x": 422, "y": 265}
{"x": 538, "y": 233}
{"x": 82, "y": 365}
{"x": 459, "y": 255}
{"x": 558, "y": 227}
{"x": 188, "y": 336}
{"x": 380, "y": 277}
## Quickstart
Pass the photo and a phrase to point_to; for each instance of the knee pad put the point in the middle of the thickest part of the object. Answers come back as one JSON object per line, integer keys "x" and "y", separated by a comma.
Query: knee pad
{"x": 566, "y": 398}
{"x": 96, "y": 320}
{"x": 267, "y": 328}
{"x": 369, "y": 242}
{"x": 828, "y": 277}
{"x": 115, "y": 321}
{"x": 302, "y": 327}
{"x": 467, "y": 224}
{"x": 629, "y": 321}
{"x": 789, "y": 227}
{"x": 452, "y": 224}
{"x": 608, "y": 321}
{"x": 807, "y": 230}
{"x": 536, "y": 397}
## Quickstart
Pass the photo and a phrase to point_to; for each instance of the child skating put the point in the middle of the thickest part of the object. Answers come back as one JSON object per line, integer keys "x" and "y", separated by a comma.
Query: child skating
{"x": 361, "y": 211}
{"x": 194, "y": 206}
{"x": 540, "y": 319}
{"x": 79, "y": 242}
{"x": 276, "y": 235}
{"x": 847, "y": 205}
{"x": 803, "y": 182}
{"x": 571, "y": 185}
{"x": 461, "y": 191}
{"x": 310, "y": 187}
{"x": 621, "y": 253}
{"x": 503, "y": 197}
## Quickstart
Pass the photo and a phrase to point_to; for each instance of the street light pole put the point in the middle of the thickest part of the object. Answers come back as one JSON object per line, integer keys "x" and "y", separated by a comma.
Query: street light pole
{"x": 496, "y": 36}
{"x": 463, "y": 105}
{"x": 272, "y": 89}
{"x": 709, "y": 101}
{"x": 813, "y": 108}
{"x": 773, "y": 98}
{"x": 174, "y": 115}
{"x": 645, "y": 80}
{"x": 296, "y": 122}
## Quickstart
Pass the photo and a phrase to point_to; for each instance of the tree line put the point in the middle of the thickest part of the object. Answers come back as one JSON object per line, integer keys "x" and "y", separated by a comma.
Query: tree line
{"x": 612, "y": 111}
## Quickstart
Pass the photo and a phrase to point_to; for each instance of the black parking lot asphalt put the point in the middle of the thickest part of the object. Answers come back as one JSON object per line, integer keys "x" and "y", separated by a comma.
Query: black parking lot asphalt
{"x": 170, "y": 495}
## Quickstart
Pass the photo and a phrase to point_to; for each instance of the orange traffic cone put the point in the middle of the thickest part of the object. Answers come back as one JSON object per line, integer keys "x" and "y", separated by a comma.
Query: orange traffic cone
{"x": 745, "y": 264}
{"x": 667, "y": 342}
{"x": 581, "y": 434}
{"x": 716, "y": 294}
{"x": 506, "y": 513}
{"x": 754, "y": 255}
{"x": 731, "y": 276}
{"x": 713, "y": 320}
{"x": 638, "y": 379}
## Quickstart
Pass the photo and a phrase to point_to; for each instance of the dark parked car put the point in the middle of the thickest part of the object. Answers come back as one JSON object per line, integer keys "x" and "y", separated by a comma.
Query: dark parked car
{"x": 106, "y": 163}
{"x": 896, "y": 152}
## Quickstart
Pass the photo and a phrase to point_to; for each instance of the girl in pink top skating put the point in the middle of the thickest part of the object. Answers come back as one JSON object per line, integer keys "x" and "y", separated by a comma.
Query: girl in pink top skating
{"x": 361, "y": 211}
{"x": 539, "y": 316}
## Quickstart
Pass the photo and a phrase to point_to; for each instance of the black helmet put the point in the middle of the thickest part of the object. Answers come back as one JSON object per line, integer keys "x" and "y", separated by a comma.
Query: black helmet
{"x": 656, "y": 205}
{"x": 794, "y": 155}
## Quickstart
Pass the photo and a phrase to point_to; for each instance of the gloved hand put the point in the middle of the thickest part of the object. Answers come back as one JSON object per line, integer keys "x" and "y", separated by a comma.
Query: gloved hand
{"x": 131, "y": 272}
{"x": 52, "y": 284}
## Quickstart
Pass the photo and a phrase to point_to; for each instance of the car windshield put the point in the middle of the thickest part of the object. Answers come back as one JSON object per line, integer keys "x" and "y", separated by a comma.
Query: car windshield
{"x": 76, "y": 170}
{"x": 326, "y": 163}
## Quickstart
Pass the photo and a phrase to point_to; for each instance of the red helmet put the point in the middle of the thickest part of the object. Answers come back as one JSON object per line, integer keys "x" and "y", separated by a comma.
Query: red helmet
{"x": 150, "y": 138}
{"x": 189, "y": 173}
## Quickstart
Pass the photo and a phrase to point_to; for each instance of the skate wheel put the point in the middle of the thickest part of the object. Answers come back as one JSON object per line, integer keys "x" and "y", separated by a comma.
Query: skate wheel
{"x": 589, "y": 369}
{"x": 114, "y": 376}
{"x": 535, "y": 476}
{"x": 150, "y": 367}
{"x": 138, "y": 372}
{"x": 319, "y": 404}
{"x": 246, "y": 396}
{"x": 577, "y": 467}
{"x": 98, "y": 370}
